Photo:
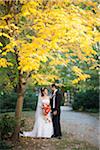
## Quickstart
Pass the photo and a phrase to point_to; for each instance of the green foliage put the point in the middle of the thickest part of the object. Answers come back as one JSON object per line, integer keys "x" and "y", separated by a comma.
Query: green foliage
{"x": 30, "y": 101}
{"x": 90, "y": 84}
{"x": 86, "y": 100}
{"x": 8, "y": 101}
{"x": 7, "y": 125}
{"x": 4, "y": 146}
{"x": 8, "y": 79}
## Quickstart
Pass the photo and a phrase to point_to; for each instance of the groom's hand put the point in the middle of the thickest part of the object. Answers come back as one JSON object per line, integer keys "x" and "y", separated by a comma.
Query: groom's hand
{"x": 55, "y": 112}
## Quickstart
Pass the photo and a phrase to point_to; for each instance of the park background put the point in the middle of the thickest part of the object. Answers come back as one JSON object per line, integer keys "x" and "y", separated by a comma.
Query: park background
{"x": 44, "y": 42}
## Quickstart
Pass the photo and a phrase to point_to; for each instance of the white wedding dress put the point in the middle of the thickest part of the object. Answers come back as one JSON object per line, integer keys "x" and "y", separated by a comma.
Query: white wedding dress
{"x": 42, "y": 127}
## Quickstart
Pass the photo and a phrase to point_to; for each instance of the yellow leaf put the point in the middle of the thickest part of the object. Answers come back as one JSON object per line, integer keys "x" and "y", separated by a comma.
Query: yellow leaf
{"x": 1, "y": 44}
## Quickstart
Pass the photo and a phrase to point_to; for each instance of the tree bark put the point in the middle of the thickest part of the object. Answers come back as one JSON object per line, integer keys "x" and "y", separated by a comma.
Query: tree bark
{"x": 19, "y": 106}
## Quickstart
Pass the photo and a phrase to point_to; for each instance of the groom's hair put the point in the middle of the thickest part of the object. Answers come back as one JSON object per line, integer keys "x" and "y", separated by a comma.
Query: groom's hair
{"x": 54, "y": 85}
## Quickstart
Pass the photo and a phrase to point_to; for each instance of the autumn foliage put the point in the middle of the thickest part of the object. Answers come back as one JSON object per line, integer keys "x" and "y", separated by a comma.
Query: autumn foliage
{"x": 44, "y": 34}
{"x": 44, "y": 31}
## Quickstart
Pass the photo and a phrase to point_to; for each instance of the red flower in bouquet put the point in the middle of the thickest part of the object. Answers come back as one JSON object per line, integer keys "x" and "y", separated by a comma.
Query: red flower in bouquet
{"x": 46, "y": 109}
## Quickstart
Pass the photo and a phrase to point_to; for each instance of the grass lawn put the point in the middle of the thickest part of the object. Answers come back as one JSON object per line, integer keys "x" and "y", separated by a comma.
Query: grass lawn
{"x": 66, "y": 143}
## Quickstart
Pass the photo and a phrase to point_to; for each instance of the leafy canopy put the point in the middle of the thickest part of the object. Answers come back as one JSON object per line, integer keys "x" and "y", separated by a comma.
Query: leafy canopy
{"x": 48, "y": 33}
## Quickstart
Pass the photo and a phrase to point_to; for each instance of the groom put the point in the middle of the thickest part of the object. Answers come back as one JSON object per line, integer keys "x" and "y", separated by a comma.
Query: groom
{"x": 55, "y": 108}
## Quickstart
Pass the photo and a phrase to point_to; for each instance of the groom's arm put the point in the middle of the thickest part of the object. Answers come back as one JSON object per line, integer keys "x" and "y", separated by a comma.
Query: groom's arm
{"x": 58, "y": 101}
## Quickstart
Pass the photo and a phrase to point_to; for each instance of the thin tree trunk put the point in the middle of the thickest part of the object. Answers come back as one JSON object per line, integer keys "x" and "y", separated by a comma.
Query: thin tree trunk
{"x": 19, "y": 106}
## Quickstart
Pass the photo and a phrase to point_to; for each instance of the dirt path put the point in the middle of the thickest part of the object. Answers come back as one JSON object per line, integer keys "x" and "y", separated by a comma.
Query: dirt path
{"x": 82, "y": 126}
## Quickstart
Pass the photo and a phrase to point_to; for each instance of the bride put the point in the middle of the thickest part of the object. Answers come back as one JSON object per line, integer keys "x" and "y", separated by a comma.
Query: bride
{"x": 43, "y": 127}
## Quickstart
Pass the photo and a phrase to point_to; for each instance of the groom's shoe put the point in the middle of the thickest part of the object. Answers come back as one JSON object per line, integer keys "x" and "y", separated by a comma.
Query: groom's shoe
{"x": 53, "y": 136}
{"x": 59, "y": 137}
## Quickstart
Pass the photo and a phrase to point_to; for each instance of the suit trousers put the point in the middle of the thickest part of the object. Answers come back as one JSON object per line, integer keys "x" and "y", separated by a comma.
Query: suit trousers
{"x": 56, "y": 125}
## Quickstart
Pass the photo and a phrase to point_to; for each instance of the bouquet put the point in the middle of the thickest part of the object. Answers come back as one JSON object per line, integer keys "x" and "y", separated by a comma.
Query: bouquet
{"x": 46, "y": 109}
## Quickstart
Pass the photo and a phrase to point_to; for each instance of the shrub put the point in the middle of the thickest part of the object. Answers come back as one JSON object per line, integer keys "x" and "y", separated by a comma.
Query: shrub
{"x": 8, "y": 102}
{"x": 5, "y": 146}
{"x": 7, "y": 125}
{"x": 87, "y": 100}
{"x": 30, "y": 101}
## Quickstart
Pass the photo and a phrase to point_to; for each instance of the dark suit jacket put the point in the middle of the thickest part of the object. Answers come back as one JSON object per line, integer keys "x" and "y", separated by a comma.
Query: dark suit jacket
{"x": 58, "y": 99}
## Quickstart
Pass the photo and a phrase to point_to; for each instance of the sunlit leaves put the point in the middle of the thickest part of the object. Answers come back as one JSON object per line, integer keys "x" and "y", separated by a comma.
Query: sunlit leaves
{"x": 1, "y": 44}
{"x": 80, "y": 74}
{"x": 59, "y": 32}
{"x": 43, "y": 79}
{"x": 4, "y": 63}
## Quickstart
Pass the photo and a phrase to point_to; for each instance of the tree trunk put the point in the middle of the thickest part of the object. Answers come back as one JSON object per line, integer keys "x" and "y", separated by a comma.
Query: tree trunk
{"x": 19, "y": 106}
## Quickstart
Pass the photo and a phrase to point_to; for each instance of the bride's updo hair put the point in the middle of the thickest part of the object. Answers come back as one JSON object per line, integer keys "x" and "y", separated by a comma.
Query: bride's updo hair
{"x": 42, "y": 91}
